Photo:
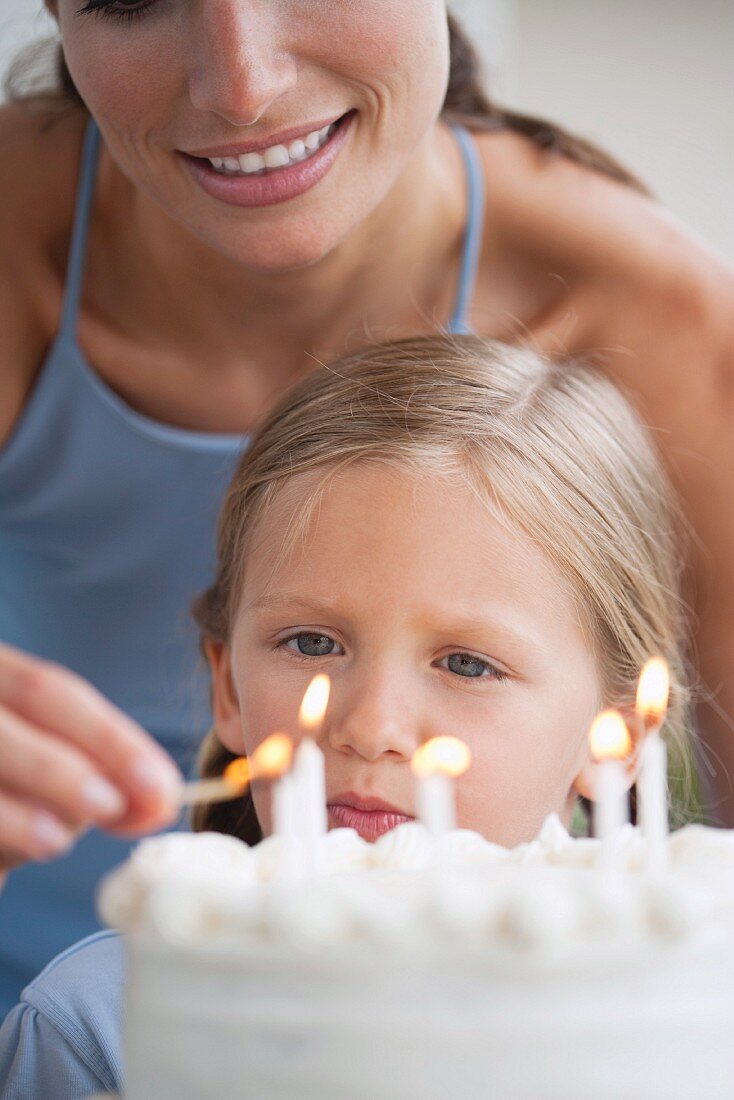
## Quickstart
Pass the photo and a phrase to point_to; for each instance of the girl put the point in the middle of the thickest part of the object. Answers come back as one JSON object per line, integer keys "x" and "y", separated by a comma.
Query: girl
{"x": 277, "y": 183}
{"x": 469, "y": 540}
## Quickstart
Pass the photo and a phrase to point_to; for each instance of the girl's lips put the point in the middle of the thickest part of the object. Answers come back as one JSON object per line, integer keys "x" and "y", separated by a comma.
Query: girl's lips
{"x": 370, "y": 824}
{"x": 272, "y": 187}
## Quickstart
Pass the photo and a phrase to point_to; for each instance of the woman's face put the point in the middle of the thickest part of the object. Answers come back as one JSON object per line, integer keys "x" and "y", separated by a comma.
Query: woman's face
{"x": 171, "y": 80}
{"x": 431, "y": 617}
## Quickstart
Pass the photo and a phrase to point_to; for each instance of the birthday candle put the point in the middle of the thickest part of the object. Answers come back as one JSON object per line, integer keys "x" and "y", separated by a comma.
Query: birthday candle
{"x": 309, "y": 778}
{"x": 651, "y": 707}
{"x": 436, "y": 764}
{"x": 610, "y": 743}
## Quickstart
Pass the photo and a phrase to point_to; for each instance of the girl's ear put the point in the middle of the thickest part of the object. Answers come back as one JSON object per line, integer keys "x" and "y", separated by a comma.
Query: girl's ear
{"x": 584, "y": 782}
{"x": 225, "y": 704}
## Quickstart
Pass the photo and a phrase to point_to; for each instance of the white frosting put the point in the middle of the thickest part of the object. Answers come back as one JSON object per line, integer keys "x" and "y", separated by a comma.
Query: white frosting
{"x": 208, "y": 891}
{"x": 433, "y": 968}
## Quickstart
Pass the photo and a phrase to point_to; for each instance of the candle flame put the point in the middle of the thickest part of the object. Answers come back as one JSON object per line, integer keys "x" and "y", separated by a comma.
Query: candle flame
{"x": 270, "y": 760}
{"x": 315, "y": 701}
{"x": 441, "y": 756}
{"x": 653, "y": 689}
{"x": 609, "y": 738}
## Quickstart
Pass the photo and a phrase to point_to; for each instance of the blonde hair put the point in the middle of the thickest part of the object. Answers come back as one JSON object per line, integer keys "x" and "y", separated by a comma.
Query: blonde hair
{"x": 551, "y": 447}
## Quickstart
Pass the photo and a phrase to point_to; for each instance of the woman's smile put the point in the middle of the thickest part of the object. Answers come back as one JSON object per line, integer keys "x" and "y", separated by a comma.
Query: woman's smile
{"x": 270, "y": 174}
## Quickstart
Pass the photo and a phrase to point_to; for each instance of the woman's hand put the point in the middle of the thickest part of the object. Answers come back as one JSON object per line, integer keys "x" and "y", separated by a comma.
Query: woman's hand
{"x": 68, "y": 760}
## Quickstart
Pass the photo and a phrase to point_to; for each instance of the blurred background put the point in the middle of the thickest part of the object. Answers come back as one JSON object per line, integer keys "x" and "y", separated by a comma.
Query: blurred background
{"x": 651, "y": 81}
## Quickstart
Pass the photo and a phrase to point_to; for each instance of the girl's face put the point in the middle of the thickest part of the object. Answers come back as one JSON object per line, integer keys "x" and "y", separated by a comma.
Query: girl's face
{"x": 431, "y": 617}
{"x": 172, "y": 80}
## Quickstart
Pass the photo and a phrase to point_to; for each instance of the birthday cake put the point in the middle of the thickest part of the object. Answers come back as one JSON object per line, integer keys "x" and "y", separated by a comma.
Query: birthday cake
{"x": 428, "y": 968}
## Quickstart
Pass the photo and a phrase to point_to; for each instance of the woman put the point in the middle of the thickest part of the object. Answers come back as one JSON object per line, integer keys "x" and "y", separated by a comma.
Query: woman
{"x": 275, "y": 184}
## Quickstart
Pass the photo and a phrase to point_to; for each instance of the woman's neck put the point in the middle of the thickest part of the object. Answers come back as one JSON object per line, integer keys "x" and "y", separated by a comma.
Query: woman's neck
{"x": 394, "y": 275}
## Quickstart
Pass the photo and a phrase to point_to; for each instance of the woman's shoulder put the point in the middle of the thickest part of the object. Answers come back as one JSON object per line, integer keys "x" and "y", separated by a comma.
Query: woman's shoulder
{"x": 40, "y": 148}
{"x": 65, "y": 1032}
{"x": 592, "y": 246}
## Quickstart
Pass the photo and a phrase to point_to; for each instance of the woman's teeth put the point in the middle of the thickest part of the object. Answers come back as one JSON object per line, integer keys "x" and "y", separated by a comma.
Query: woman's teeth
{"x": 277, "y": 156}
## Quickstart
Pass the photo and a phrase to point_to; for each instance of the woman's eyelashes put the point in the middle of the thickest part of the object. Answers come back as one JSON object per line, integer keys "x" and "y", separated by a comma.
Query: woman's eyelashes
{"x": 116, "y": 9}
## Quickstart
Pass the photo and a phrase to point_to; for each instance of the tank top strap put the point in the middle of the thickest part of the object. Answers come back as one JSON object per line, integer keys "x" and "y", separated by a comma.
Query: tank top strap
{"x": 85, "y": 194}
{"x": 459, "y": 323}
{"x": 82, "y": 210}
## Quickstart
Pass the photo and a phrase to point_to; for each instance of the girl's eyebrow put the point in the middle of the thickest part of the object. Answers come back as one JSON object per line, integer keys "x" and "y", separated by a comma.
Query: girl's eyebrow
{"x": 277, "y": 600}
{"x": 445, "y": 620}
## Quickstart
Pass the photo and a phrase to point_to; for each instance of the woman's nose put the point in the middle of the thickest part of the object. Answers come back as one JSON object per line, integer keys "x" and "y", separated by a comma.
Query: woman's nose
{"x": 375, "y": 719}
{"x": 241, "y": 63}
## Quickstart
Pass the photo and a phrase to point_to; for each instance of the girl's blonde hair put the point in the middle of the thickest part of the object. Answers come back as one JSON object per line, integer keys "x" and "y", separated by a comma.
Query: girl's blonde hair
{"x": 551, "y": 447}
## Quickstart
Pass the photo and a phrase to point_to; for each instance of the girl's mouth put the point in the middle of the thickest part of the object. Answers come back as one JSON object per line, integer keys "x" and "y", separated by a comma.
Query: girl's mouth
{"x": 272, "y": 174}
{"x": 370, "y": 817}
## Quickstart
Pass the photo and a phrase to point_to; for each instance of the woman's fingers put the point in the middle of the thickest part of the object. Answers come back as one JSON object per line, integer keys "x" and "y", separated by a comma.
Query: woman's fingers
{"x": 29, "y": 832}
{"x": 48, "y": 770}
{"x": 59, "y": 704}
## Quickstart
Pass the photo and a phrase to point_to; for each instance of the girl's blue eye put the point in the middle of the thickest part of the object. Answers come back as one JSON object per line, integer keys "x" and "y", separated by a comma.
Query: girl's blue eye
{"x": 467, "y": 665}
{"x": 311, "y": 645}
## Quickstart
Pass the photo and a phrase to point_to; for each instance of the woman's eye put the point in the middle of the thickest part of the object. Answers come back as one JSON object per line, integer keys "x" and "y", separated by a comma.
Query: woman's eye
{"x": 310, "y": 644}
{"x": 467, "y": 665}
{"x": 116, "y": 9}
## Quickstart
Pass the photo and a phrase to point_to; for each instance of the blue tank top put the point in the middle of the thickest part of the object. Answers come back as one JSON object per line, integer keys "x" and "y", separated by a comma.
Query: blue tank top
{"x": 107, "y": 532}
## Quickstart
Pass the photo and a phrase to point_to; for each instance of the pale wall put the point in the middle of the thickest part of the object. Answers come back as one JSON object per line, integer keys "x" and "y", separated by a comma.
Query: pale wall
{"x": 651, "y": 80}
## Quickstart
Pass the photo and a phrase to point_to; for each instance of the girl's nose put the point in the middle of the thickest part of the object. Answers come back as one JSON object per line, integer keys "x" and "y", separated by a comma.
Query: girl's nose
{"x": 241, "y": 64}
{"x": 375, "y": 719}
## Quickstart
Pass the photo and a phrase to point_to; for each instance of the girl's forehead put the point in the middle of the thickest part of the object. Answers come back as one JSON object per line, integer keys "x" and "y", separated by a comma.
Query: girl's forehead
{"x": 374, "y": 536}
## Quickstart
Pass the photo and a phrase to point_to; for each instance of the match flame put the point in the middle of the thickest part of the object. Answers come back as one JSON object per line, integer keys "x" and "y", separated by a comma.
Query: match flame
{"x": 270, "y": 760}
{"x": 273, "y": 757}
{"x": 653, "y": 690}
{"x": 315, "y": 701}
{"x": 609, "y": 738}
{"x": 441, "y": 756}
{"x": 238, "y": 774}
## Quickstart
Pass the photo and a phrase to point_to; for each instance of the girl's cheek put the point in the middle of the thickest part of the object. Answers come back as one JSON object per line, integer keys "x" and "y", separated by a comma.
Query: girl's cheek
{"x": 506, "y": 796}
{"x": 262, "y": 798}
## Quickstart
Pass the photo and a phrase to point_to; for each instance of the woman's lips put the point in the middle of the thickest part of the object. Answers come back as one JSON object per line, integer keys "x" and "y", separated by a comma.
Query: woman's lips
{"x": 271, "y": 187}
{"x": 369, "y": 823}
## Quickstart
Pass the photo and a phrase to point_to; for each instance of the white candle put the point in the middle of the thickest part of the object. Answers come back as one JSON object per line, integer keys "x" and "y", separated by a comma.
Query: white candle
{"x": 610, "y": 743}
{"x": 436, "y": 807}
{"x": 652, "y": 787}
{"x": 284, "y": 816}
{"x": 311, "y": 777}
{"x": 285, "y": 825}
{"x": 611, "y": 811}
{"x": 436, "y": 764}
{"x": 653, "y": 800}
{"x": 300, "y": 810}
